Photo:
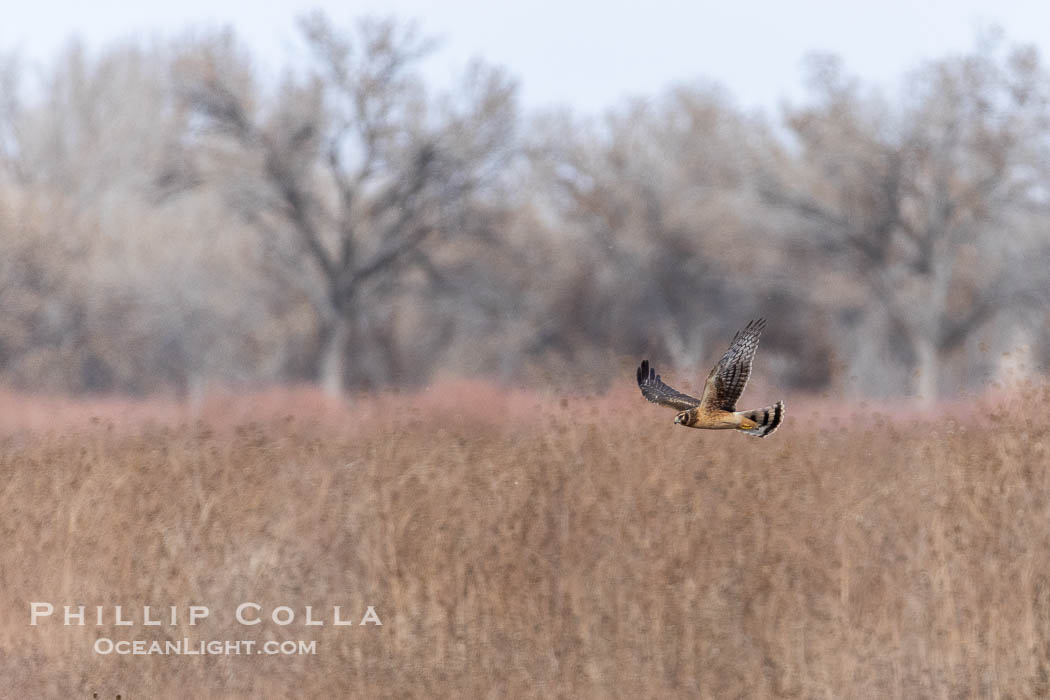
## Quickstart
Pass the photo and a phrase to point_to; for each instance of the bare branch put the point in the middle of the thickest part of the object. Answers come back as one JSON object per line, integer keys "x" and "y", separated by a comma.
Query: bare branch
{"x": 297, "y": 209}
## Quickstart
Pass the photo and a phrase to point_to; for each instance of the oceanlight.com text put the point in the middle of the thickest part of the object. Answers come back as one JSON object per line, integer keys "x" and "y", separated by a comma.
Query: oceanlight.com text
{"x": 188, "y": 647}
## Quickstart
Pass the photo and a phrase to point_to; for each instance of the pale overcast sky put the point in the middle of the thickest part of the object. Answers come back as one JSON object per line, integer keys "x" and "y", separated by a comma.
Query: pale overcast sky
{"x": 588, "y": 54}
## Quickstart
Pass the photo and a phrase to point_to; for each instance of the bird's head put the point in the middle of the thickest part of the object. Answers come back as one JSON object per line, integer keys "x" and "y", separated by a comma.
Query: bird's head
{"x": 682, "y": 418}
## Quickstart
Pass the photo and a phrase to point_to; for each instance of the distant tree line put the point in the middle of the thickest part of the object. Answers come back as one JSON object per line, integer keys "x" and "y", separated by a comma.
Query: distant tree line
{"x": 171, "y": 218}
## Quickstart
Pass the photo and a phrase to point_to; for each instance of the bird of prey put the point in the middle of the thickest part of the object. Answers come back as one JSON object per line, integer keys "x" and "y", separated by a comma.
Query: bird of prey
{"x": 716, "y": 409}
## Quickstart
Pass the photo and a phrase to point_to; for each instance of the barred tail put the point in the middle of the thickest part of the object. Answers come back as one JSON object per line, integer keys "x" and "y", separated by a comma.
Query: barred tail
{"x": 768, "y": 419}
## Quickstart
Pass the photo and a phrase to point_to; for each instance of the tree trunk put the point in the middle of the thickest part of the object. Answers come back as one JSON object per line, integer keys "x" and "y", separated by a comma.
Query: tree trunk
{"x": 332, "y": 368}
{"x": 927, "y": 369}
{"x": 926, "y": 325}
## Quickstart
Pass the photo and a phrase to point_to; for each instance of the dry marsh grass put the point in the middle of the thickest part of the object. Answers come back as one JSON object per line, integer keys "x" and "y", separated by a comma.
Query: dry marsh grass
{"x": 516, "y": 545}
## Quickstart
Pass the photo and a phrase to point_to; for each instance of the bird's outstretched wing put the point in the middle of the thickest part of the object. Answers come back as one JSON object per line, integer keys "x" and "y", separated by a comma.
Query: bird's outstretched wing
{"x": 729, "y": 377}
{"x": 658, "y": 392}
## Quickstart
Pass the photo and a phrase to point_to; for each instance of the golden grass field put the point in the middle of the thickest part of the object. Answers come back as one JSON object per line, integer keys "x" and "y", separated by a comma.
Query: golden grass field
{"x": 522, "y": 545}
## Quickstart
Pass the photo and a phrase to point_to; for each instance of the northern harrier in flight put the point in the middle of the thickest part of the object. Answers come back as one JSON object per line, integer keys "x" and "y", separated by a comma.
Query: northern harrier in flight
{"x": 716, "y": 409}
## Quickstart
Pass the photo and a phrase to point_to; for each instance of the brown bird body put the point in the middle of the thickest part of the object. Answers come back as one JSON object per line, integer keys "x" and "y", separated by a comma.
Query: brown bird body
{"x": 716, "y": 409}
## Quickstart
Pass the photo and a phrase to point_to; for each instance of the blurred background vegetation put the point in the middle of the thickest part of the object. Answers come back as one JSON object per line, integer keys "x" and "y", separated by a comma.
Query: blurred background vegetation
{"x": 173, "y": 218}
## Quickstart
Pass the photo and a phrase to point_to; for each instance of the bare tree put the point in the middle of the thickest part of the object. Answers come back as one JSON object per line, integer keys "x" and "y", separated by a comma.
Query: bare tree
{"x": 652, "y": 200}
{"x": 934, "y": 207}
{"x": 354, "y": 175}
{"x": 104, "y": 285}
